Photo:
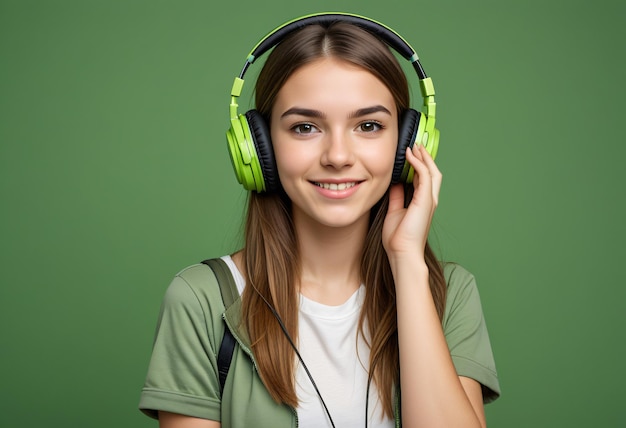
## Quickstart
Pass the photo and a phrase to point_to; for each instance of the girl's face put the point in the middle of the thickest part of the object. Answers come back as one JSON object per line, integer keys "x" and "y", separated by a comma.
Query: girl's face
{"x": 334, "y": 130}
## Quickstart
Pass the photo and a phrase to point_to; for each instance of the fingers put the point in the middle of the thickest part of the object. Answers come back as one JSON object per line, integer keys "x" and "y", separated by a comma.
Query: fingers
{"x": 396, "y": 198}
{"x": 436, "y": 175}
{"x": 426, "y": 171}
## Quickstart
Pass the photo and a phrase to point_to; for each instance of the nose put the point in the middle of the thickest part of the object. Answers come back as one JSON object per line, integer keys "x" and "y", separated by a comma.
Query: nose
{"x": 338, "y": 150}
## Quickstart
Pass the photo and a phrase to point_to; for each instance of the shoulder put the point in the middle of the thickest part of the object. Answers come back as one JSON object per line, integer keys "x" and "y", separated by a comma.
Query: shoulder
{"x": 188, "y": 281}
{"x": 195, "y": 275}
{"x": 456, "y": 274}
{"x": 462, "y": 296}
{"x": 195, "y": 286}
{"x": 459, "y": 281}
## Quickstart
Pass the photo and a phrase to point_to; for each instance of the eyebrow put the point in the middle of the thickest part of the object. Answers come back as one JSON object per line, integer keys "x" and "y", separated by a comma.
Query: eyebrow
{"x": 318, "y": 114}
{"x": 303, "y": 112}
{"x": 369, "y": 110}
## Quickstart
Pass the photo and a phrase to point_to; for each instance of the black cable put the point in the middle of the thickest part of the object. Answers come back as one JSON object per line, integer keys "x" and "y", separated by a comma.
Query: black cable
{"x": 367, "y": 397}
{"x": 306, "y": 369}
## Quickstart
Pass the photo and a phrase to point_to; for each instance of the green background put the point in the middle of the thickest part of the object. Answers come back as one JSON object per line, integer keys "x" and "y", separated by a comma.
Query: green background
{"x": 114, "y": 176}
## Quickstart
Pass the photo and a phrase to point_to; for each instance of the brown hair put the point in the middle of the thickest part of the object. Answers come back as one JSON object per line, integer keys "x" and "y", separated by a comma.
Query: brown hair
{"x": 271, "y": 257}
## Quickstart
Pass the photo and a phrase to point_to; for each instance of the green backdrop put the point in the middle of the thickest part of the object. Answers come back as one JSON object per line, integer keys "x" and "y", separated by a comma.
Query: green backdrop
{"x": 114, "y": 176}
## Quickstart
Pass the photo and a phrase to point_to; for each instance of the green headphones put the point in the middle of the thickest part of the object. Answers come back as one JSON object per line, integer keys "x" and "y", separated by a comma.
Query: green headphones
{"x": 249, "y": 141}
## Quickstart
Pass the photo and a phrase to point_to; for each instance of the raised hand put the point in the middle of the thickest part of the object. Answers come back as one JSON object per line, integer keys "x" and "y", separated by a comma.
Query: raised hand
{"x": 406, "y": 229}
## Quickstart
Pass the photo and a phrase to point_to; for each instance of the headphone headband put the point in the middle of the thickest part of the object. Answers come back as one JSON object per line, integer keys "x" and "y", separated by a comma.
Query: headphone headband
{"x": 385, "y": 33}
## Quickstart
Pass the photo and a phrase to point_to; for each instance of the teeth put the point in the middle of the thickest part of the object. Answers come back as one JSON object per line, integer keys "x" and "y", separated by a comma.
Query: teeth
{"x": 335, "y": 186}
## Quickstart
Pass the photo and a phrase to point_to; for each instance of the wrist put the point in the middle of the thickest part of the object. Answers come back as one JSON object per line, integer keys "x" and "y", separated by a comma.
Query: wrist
{"x": 414, "y": 260}
{"x": 409, "y": 266}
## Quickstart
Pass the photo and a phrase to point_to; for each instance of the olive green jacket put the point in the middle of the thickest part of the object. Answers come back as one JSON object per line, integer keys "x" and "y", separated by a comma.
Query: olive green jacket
{"x": 183, "y": 374}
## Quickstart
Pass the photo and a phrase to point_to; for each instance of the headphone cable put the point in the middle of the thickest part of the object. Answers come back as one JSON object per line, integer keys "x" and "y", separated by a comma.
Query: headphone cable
{"x": 306, "y": 369}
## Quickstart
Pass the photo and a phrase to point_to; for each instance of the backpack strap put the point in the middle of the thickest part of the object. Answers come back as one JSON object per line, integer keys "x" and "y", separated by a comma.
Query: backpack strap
{"x": 228, "y": 290}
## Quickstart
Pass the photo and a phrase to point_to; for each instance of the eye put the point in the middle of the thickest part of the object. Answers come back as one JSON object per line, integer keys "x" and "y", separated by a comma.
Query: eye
{"x": 370, "y": 126}
{"x": 304, "y": 129}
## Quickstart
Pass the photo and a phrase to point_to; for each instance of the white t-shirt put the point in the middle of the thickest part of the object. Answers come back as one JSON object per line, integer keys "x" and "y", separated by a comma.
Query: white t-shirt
{"x": 327, "y": 342}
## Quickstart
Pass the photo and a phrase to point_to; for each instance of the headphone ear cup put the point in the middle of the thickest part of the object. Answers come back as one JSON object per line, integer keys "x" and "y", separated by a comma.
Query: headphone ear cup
{"x": 415, "y": 127}
{"x": 432, "y": 140}
{"x": 407, "y": 134}
{"x": 243, "y": 154}
{"x": 263, "y": 144}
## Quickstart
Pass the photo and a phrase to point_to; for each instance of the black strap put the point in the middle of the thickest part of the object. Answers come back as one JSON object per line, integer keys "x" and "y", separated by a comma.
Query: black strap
{"x": 228, "y": 290}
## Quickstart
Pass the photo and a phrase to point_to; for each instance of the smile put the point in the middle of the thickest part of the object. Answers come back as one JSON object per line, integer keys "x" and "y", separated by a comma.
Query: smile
{"x": 336, "y": 186}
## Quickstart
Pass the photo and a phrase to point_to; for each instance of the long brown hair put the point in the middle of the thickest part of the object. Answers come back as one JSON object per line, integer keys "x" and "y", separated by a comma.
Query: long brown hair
{"x": 270, "y": 254}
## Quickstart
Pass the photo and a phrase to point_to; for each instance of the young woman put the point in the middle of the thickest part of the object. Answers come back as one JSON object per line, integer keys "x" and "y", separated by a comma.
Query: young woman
{"x": 382, "y": 332}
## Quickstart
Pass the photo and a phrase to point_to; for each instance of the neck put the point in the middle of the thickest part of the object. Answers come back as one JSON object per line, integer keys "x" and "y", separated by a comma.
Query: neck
{"x": 330, "y": 258}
